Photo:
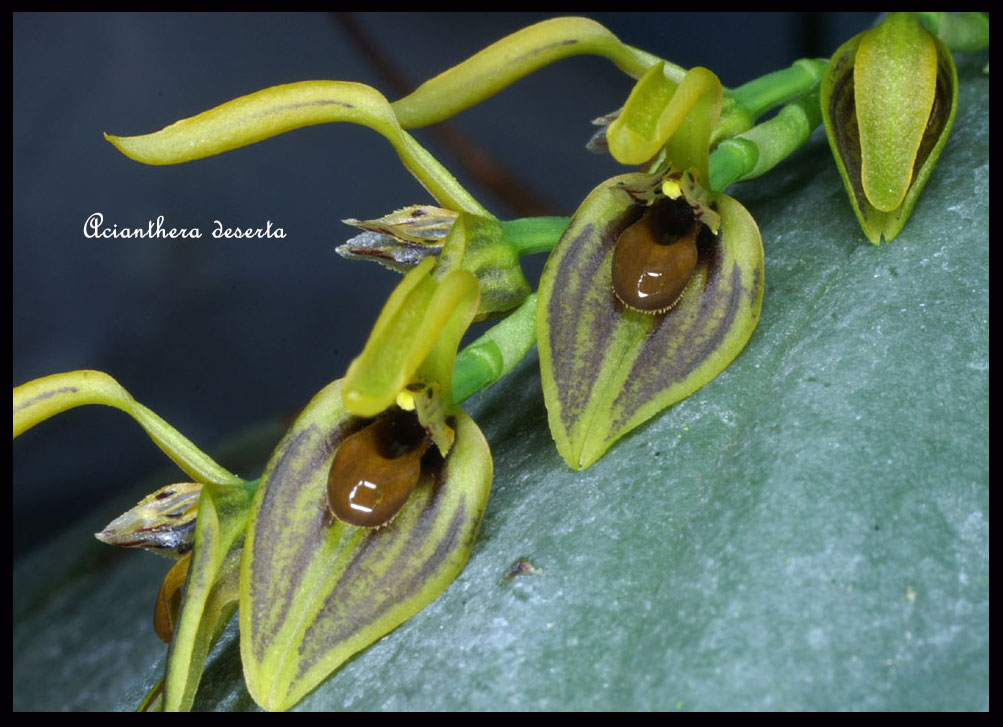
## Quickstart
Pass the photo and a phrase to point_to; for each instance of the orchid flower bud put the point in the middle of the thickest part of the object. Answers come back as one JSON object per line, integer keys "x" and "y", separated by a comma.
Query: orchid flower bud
{"x": 888, "y": 98}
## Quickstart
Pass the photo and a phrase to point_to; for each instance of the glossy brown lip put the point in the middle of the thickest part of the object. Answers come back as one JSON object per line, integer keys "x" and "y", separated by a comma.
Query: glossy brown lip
{"x": 655, "y": 257}
{"x": 376, "y": 469}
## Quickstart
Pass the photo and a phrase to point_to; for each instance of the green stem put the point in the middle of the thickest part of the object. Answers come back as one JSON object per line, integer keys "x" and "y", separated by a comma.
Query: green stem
{"x": 532, "y": 235}
{"x": 745, "y": 104}
{"x": 766, "y": 92}
{"x": 758, "y": 150}
{"x": 496, "y": 353}
{"x": 959, "y": 31}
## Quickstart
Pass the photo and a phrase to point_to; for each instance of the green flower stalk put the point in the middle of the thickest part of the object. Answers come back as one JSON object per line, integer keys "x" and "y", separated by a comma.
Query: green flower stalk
{"x": 888, "y": 100}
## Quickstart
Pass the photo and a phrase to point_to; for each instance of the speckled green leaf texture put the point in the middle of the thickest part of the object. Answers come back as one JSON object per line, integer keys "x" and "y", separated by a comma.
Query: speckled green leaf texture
{"x": 809, "y": 531}
{"x": 606, "y": 368}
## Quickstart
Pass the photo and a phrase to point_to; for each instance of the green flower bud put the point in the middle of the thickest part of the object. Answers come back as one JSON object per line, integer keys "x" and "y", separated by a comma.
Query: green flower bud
{"x": 478, "y": 245}
{"x": 888, "y": 100}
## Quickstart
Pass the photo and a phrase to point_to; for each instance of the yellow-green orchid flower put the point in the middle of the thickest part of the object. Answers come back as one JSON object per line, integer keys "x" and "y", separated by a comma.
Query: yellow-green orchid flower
{"x": 656, "y": 285}
{"x": 367, "y": 510}
{"x": 194, "y": 621}
{"x": 370, "y": 505}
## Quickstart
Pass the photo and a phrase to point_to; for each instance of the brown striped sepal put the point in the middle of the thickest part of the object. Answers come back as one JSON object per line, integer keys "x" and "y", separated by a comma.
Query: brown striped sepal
{"x": 315, "y": 590}
{"x": 606, "y": 369}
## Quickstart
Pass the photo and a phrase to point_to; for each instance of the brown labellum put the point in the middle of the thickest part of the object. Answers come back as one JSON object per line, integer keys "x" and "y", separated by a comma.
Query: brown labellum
{"x": 376, "y": 469}
{"x": 654, "y": 258}
{"x": 168, "y": 603}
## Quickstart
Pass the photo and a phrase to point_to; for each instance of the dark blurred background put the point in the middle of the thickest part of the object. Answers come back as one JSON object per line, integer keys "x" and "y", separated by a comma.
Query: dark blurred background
{"x": 215, "y": 335}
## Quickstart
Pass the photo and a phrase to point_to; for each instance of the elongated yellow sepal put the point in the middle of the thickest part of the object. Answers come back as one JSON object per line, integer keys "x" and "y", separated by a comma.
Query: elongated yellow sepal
{"x": 37, "y": 400}
{"x": 279, "y": 109}
{"x": 516, "y": 56}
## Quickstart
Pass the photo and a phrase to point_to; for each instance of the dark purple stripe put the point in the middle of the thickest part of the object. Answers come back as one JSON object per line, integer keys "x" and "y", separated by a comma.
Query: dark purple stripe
{"x": 46, "y": 395}
{"x": 652, "y": 372}
{"x": 583, "y": 269}
{"x": 358, "y": 599}
{"x": 292, "y": 468}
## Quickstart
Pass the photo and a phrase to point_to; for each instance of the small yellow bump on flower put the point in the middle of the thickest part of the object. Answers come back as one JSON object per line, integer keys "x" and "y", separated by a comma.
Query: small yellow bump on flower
{"x": 405, "y": 400}
{"x": 672, "y": 189}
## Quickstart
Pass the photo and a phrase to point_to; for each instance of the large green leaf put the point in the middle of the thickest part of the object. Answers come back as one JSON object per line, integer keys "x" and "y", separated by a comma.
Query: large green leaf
{"x": 808, "y": 531}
